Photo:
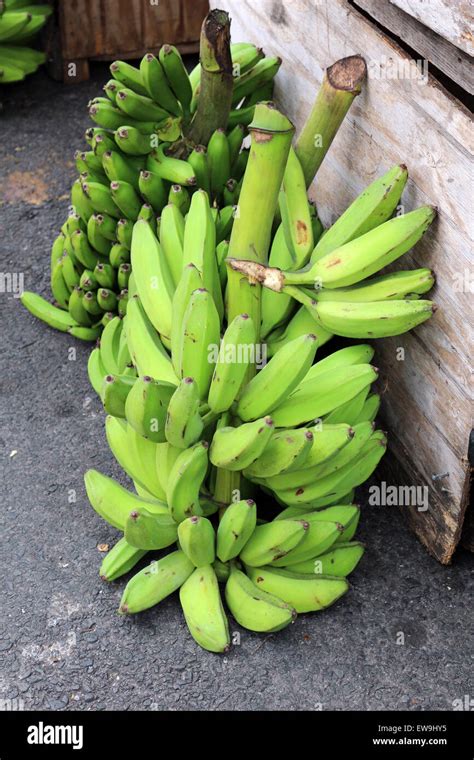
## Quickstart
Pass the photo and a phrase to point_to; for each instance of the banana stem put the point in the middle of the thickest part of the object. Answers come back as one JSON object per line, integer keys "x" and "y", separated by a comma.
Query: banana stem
{"x": 341, "y": 83}
{"x": 227, "y": 484}
{"x": 215, "y": 96}
{"x": 271, "y": 134}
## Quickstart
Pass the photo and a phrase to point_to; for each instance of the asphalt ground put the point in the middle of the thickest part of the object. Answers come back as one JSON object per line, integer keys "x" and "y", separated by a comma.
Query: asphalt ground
{"x": 399, "y": 640}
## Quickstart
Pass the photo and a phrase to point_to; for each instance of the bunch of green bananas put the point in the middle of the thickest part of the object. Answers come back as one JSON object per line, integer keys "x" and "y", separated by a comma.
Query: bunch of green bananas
{"x": 126, "y": 174}
{"x": 189, "y": 416}
{"x": 200, "y": 423}
{"x": 333, "y": 282}
{"x": 20, "y": 21}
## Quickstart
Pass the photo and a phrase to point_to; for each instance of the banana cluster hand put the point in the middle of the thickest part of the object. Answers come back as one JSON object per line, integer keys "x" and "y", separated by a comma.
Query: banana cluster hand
{"x": 129, "y": 173}
{"x": 203, "y": 423}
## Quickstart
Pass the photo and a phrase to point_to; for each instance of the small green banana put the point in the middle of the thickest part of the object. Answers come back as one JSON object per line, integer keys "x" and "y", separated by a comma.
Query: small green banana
{"x": 197, "y": 539}
{"x": 155, "y": 582}
{"x": 236, "y": 526}
{"x": 202, "y": 606}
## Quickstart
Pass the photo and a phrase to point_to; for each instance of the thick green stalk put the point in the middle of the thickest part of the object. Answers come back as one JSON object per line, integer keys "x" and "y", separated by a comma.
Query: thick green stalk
{"x": 341, "y": 83}
{"x": 215, "y": 96}
{"x": 271, "y": 134}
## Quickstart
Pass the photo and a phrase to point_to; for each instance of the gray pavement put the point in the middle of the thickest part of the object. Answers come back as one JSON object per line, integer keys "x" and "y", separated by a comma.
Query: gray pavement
{"x": 62, "y": 643}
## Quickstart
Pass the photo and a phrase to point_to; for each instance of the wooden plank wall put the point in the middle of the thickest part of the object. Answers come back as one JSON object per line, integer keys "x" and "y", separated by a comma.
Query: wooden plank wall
{"x": 451, "y": 19}
{"x": 127, "y": 28}
{"x": 451, "y": 60}
{"x": 409, "y": 119}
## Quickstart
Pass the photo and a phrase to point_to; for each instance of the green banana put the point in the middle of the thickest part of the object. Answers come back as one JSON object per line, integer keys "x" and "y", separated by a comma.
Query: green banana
{"x": 146, "y": 348}
{"x": 200, "y": 332}
{"x": 103, "y": 224}
{"x": 355, "y": 260}
{"x": 198, "y": 159}
{"x": 235, "y": 354}
{"x": 127, "y": 199}
{"x": 135, "y": 455}
{"x": 235, "y": 139}
{"x": 236, "y": 448}
{"x": 319, "y": 538}
{"x": 202, "y": 606}
{"x": 119, "y": 256}
{"x": 189, "y": 282}
{"x": 317, "y": 467}
{"x": 101, "y": 199}
{"x": 361, "y": 353}
{"x": 107, "y": 299}
{"x": 120, "y": 560}
{"x": 146, "y": 407}
{"x": 272, "y": 541}
{"x": 155, "y": 582}
{"x": 303, "y": 592}
{"x": 133, "y": 142}
{"x": 199, "y": 245}
{"x": 263, "y": 72}
{"x": 278, "y": 379}
{"x": 349, "y": 411}
{"x": 388, "y": 287}
{"x": 150, "y": 528}
{"x": 176, "y": 75}
{"x": 296, "y": 212}
{"x": 374, "y": 206}
{"x": 139, "y": 107}
{"x": 320, "y": 395}
{"x": 124, "y": 232}
{"x": 197, "y": 539}
{"x": 179, "y": 197}
{"x": 76, "y": 308}
{"x": 369, "y": 410}
{"x": 339, "y": 562}
{"x": 110, "y": 500}
{"x": 96, "y": 370}
{"x": 380, "y": 319}
{"x": 42, "y": 309}
{"x": 301, "y": 323}
{"x": 218, "y": 154}
{"x": 153, "y": 279}
{"x": 236, "y": 526}
{"x": 156, "y": 83}
{"x": 326, "y": 490}
{"x": 253, "y": 608}
{"x": 80, "y": 201}
{"x": 153, "y": 189}
{"x": 286, "y": 451}
{"x": 184, "y": 424}
{"x": 172, "y": 239}
{"x": 83, "y": 251}
{"x": 172, "y": 169}
{"x": 129, "y": 76}
{"x": 278, "y": 307}
{"x": 114, "y": 392}
{"x": 185, "y": 480}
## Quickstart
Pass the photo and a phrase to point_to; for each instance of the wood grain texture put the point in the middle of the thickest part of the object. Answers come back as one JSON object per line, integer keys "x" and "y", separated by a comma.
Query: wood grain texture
{"x": 409, "y": 119}
{"x": 452, "y": 19}
{"x": 108, "y": 29}
{"x": 451, "y": 60}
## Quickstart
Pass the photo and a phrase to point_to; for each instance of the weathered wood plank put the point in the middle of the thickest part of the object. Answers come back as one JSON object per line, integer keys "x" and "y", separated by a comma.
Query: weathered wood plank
{"x": 452, "y": 61}
{"x": 452, "y": 19}
{"x": 109, "y": 29}
{"x": 414, "y": 120}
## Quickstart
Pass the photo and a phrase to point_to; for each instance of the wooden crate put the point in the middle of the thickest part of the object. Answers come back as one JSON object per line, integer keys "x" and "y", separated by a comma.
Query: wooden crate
{"x": 410, "y": 119}
{"x": 84, "y": 30}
